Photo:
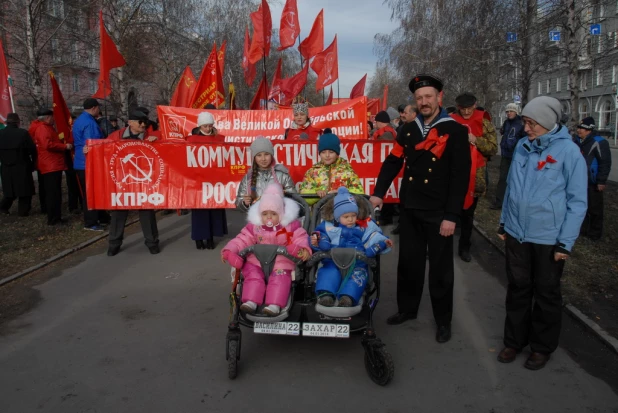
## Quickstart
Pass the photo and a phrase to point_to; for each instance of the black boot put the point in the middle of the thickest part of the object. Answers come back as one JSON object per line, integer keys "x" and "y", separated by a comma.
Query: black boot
{"x": 210, "y": 244}
{"x": 464, "y": 254}
{"x": 199, "y": 244}
{"x": 395, "y": 230}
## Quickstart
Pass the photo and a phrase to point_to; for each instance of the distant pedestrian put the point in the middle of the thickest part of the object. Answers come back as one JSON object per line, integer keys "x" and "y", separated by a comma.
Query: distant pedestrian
{"x": 598, "y": 157}
{"x": 383, "y": 130}
{"x": 544, "y": 206}
{"x": 18, "y": 158}
{"x": 86, "y": 127}
{"x": 51, "y": 152}
{"x": 113, "y": 119}
{"x": 512, "y": 131}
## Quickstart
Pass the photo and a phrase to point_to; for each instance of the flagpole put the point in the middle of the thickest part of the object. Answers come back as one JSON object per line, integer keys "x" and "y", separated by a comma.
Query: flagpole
{"x": 266, "y": 77}
{"x": 337, "y": 89}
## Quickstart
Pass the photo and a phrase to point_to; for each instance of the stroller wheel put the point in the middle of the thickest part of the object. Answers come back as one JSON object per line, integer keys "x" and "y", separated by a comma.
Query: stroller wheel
{"x": 232, "y": 360}
{"x": 379, "y": 364}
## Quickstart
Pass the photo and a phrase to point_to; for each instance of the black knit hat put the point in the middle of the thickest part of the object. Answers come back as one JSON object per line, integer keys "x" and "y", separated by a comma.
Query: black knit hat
{"x": 383, "y": 117}
{"x": 587, "y": 123}
{"x": 12, "y": 118}
{"x": 465, "y": 100}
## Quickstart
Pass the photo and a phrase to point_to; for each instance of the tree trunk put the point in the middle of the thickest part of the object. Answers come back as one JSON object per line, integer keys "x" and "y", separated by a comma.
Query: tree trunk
{"x": 572, "y": 58}
{"x": 33, "y": 64}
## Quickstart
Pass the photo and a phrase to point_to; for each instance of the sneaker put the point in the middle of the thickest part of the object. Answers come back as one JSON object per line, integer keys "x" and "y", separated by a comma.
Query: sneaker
{"x": 97, "y": 228}
{"x": 345, "y": 301}
{"x": 249, "y": 307}
{"x": 272, "y": 310}
{"x": 327, "y": 300}
{"x": 154, "y": 249}
{"x": 113, "y": 250}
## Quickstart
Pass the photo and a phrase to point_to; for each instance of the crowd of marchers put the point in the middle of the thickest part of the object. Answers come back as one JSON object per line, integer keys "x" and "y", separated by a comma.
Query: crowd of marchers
{"x": 550, "y": 191}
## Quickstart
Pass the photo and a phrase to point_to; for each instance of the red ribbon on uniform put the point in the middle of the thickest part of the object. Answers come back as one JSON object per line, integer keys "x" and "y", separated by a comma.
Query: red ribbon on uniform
{"x": 434, "y": 143}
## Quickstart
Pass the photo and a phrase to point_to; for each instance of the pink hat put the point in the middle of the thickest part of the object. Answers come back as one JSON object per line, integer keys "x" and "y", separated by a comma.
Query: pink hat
{"x": 272, "y": 199}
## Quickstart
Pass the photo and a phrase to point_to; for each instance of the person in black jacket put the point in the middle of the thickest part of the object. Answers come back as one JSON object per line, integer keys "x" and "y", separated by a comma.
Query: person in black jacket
{"x": 18, "y": 158}
{"x": 599, "y": 160}
{"x": 435, "y": 152}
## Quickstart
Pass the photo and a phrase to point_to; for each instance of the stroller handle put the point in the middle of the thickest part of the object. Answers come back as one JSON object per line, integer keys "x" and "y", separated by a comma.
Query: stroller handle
{"x": 280, "y": 251}
{"x": 320, "y": 255}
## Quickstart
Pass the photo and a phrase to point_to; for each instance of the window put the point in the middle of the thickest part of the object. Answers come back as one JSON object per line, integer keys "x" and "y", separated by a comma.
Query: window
{"x": 558, "y": 86}
{"x": 583, "y": 110}
{"x": 55, "y": 51}
{"x": 55, "y": 8}
{"x": 548, "y": 85}
{"x": 568, "y": 82}
{"x": 75, "y": 83}
{"x": 600, "y": 40}
{"x": 599, "y": 77}
{"x": 539, "y": 90}
{"x": 92, "y": 59}
{"x": 93, "y": 85}
{"x": 583, "y": 81}
{"x": 614, "y": 73}
{"x": 605, "y": 115}
{"x": 58, "y": 77}
{"x": 601, "y": 12}
{"x": 74, "y": 52}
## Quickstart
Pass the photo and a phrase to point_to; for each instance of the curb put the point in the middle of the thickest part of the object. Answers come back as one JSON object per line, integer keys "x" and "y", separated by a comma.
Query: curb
{"x": 576, "y": 314}
{"x": 59, "y": 256}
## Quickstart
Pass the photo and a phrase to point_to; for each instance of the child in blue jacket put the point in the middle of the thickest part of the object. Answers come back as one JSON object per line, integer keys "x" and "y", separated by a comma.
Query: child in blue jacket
{"x": 346, "y": 231}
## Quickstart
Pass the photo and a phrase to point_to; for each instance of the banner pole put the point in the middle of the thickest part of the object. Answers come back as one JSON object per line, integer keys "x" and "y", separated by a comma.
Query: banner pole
{"x": 11, "y": 93}
{"x": 265, "y": 77}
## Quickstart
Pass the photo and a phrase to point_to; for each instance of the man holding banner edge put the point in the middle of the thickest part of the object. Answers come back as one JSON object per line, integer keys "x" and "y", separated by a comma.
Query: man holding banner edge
{"x": 434, "y": 151}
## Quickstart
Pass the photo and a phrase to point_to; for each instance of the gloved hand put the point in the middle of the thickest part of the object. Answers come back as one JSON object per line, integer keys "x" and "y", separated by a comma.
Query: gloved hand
{"x": 294, "y": 250}
{"x": 375, "y": 249}
{"x": 233, "y": 259}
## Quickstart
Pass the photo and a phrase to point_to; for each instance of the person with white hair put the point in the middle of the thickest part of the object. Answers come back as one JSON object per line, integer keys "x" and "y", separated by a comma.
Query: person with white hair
{"x": 512, "y": 131}
{"x": 544, "y": 205}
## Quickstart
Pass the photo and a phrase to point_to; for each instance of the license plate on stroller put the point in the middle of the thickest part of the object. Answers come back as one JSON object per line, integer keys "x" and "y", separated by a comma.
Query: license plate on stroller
{"x": 326, "y": 330}
{"x": 282, "y": 328}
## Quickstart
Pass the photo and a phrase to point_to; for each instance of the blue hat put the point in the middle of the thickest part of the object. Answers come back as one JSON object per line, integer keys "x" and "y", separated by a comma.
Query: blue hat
{"x": 344, "y": 203}
{"x": 329, "y": 142}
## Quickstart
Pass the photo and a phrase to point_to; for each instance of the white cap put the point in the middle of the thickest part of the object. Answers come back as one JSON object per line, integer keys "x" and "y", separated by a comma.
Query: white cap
{"x": 205, "y": 118}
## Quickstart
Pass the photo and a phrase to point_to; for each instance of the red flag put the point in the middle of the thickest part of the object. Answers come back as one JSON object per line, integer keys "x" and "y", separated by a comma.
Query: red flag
{"x": 289, "y": 29}
{"x": 109, "y": 58}
{"x": 62, "y": 115}
{"x": 359, "y": 89}
{"x": 292, "y": 86}
{"x": 6, "y": 106}
{"x": 247, "y": 67}
{"x": 275, "y": 88}
{"x": 184, "y": 89}
{"x": 385, "y": 98}
{"x": 262, "y": 29}
{"x": 314, "y": 43}
{"x": 260, "y": 95}
{"x": 209, "y": 87}
{"x": 326, "y": 65}
{"x": 329, "y": 101}
{"x": 221, "y": 58}
{"x": 373, "y": 106}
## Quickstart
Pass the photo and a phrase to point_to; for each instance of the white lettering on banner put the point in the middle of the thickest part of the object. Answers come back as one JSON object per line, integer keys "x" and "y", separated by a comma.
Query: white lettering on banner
{"x": 355, "y": 154}
{"x": 125, "y": 199}
{"x": 368, "y": 185}
{"x": 249, "y": 139}
{"x": 216, "y": 156}
{"x": 385, "y": 150}
{"x": 219, "y": 192}
{"x": 287, "y": 123}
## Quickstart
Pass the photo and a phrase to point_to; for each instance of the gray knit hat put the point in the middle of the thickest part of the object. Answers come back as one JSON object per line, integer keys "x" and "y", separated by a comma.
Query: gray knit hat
{"x": 546, "y": 111}
{"x": 261, "y": 144}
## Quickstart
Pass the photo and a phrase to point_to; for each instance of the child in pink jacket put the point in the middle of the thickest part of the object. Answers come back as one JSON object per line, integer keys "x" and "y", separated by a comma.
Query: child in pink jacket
{"x": 272, "y": 220}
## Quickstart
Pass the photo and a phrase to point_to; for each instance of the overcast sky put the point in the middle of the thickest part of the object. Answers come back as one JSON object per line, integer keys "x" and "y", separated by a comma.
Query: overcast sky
{"x": 355, "y": 22}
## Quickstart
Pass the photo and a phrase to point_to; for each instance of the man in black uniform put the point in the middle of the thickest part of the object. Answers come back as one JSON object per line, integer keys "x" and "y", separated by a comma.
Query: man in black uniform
{"x": 18, "y": 158}
{"x": 434, "y": 149}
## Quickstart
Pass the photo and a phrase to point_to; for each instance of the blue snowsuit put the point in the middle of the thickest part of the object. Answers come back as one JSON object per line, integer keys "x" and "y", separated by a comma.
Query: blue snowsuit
{"x": 365, "y": 236}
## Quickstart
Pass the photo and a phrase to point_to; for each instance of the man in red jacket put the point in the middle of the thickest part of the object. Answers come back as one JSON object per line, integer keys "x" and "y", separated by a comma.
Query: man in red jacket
{"x": 51, "y": 152}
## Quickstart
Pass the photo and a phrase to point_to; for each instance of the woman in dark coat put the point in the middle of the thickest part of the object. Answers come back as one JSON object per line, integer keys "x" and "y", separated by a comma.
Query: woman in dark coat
{"x": 18, "y": 156}
{"x": 206, "y": 223}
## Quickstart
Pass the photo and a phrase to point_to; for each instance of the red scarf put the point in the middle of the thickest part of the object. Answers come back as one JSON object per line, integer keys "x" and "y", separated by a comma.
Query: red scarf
{"x": 433, "y": 143}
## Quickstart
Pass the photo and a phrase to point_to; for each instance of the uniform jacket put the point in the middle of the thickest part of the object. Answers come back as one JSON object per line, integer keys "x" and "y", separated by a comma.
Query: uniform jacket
{"x": 546, "y": 194}
{"x": 18, "y": 158}
{"x": 85, "y": 127}
{"x": 430, "y": 182}
{"x": 264, "y": 178}
{"x": 51, "y": 151}
{"x": 289, "y": 233}
{"x": 598, "y": 157}
{"x": 512, "y": 131}
{"x": 298, "y": 132}
{"x": 328, "y": 178}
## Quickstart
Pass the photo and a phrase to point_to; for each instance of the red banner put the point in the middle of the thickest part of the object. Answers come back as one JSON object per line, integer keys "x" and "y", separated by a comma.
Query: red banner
{"x": 134, "y": 174}
{"x": 209, "y": 87}
{"x": 348, "y": 120}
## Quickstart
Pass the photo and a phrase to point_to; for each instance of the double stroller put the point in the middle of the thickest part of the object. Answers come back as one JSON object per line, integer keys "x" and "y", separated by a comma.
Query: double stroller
{"x": 303, "y": 316}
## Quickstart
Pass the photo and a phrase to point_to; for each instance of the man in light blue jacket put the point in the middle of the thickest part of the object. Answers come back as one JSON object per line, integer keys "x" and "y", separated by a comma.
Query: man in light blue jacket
{"x": 543, "y": 209}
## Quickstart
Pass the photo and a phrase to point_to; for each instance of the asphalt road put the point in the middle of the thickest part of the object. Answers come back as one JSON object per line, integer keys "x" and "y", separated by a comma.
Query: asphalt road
{"x": 142, "y": 333}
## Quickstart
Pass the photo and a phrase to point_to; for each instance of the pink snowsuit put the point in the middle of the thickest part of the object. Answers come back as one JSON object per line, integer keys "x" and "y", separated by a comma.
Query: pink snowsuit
{"x": 290, "y": 234}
